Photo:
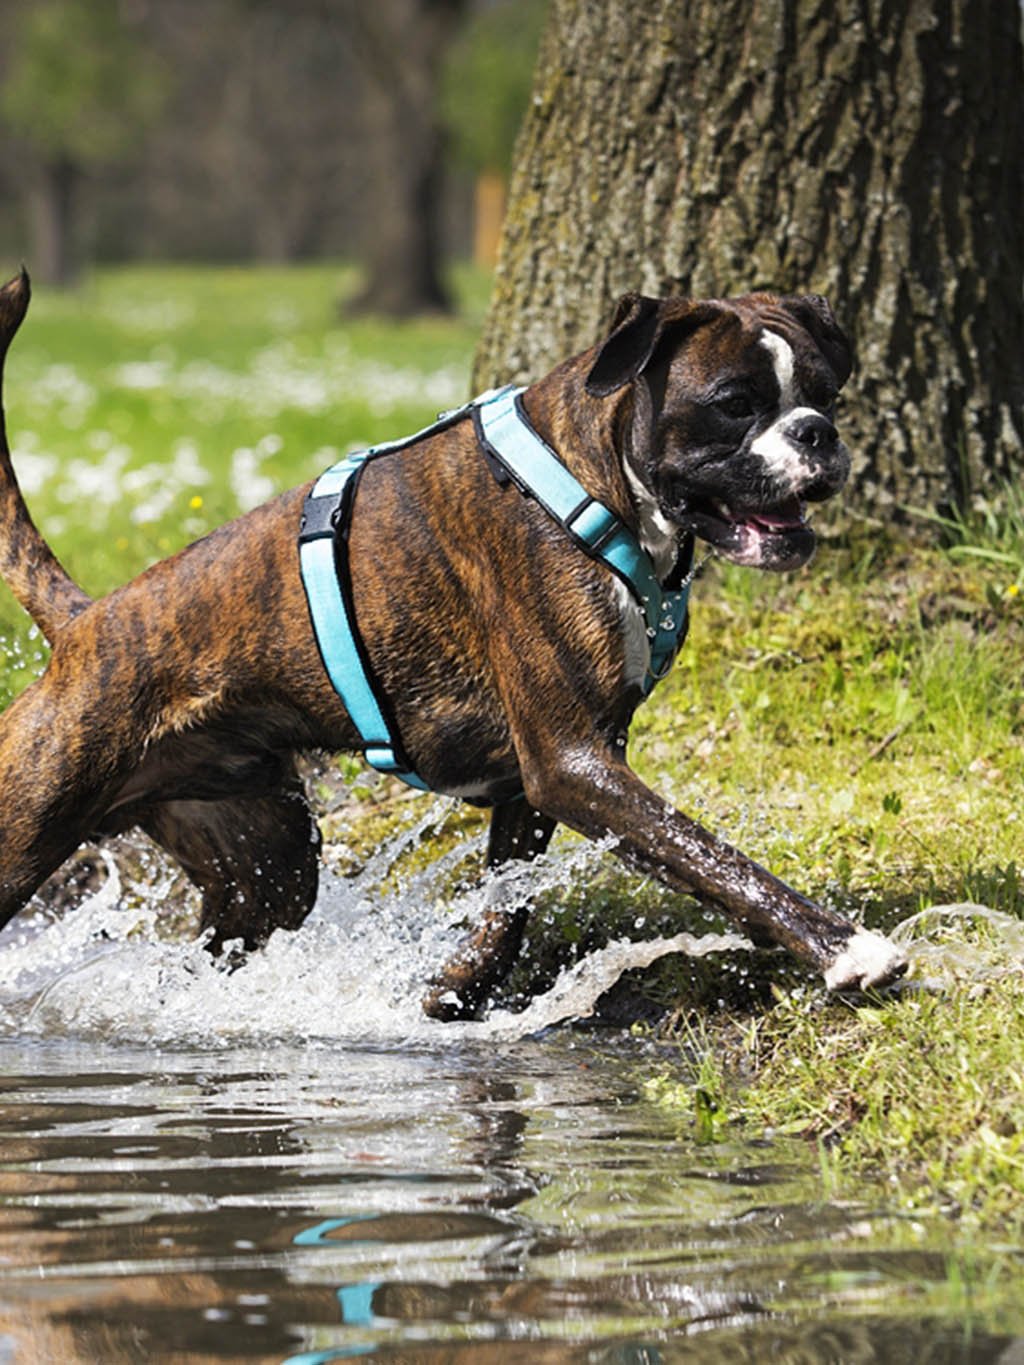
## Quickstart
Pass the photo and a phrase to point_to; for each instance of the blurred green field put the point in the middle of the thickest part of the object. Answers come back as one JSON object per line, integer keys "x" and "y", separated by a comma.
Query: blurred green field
{"x": 157, "y": 402}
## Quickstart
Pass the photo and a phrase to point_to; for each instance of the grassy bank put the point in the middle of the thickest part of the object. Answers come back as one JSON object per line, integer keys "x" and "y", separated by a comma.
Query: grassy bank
{"x": 913, "y": 1101}
{"x": 862, "y": 732}
{"x": 858, "y": 727}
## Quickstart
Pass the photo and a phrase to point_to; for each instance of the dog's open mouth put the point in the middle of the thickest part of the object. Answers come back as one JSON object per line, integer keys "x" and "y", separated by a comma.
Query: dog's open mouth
{"x": 776, "y": 537}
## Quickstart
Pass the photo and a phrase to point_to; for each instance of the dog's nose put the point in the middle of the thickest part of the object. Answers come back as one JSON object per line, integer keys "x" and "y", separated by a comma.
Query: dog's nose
{"x": 824, "y": 460}
{"x": 814, "y": 431}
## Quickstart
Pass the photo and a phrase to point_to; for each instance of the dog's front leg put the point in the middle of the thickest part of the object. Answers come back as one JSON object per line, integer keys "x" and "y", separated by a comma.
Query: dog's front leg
{"x": 593, "y": 791}
{"x": 518, "y": 832}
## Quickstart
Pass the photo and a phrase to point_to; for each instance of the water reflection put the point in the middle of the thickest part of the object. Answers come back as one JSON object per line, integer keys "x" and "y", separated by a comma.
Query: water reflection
{"x": 508, "y": 1203}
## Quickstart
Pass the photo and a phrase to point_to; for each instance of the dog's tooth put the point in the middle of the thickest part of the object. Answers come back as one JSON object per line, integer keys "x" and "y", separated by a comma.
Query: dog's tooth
{"x": 722, "y": 509}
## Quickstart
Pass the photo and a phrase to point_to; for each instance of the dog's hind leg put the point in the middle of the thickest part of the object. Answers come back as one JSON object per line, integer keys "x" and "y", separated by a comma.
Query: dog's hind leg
{"x": 485, "y": 957}
{"x": 55, "y": 778}
{"x": 255, "y": 860}
{"x": 63, "y": 759}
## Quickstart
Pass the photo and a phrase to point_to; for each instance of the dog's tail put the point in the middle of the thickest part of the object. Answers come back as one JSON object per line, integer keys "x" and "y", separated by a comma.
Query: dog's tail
{"x": 27, "y": 564}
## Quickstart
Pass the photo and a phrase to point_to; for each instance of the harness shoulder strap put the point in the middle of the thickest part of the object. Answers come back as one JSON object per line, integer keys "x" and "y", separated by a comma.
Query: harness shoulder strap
{"x": 505, "y": 432}
{"x": 323, "y": 561}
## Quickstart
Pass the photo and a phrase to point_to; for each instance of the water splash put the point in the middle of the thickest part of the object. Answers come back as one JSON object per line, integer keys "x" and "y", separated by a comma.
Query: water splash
{"x": 961, "y": 942}
{"x": 576, "y": 992}
{"x": 354, "y": 973}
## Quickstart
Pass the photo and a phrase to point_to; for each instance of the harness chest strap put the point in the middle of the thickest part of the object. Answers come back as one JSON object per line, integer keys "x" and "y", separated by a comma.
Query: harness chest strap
{"x": 520, "y": 454}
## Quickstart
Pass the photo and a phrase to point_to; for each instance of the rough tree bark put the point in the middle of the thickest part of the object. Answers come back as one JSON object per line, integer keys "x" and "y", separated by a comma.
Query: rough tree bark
{"x": 869, "y": 151}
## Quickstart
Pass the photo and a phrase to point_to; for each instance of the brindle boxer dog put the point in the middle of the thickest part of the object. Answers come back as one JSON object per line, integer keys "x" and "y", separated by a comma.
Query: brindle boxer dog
{"x": 511, "y": 660}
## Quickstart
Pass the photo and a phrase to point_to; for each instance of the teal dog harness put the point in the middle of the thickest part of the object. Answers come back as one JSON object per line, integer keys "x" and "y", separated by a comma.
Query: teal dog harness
{"x": 516, "y": 454}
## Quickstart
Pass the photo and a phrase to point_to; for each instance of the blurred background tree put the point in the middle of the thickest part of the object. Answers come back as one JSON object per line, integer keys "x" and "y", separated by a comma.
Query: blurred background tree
{"x": 255, "y": 154}
{"x": 239, "y": 130}
{"x": 79, "y": 91}
{"x": 401, "y": 45}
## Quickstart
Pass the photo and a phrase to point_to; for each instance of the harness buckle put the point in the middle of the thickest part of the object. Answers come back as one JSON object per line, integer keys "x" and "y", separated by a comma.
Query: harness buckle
{"x": 593, "y": 523}
{"x": 319, "y": 518}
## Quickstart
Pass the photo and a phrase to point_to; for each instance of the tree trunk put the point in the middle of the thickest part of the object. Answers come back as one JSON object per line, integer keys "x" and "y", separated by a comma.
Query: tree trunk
{"x": 52, "y": 205}
{"x": 870, "y": 152}
{"x": 402, "y": 255}
{"x": 402, "y": 43}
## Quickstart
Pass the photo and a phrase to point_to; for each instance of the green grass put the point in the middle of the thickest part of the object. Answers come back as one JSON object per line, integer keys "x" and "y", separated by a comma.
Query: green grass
{"x": 858, "y": 727}
{"x": 918, "y": 1098}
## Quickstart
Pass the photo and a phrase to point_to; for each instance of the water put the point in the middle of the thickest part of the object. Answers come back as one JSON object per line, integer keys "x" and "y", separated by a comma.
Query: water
{"x": 470, "y": 1203}
{"x": 288, "y": 1163}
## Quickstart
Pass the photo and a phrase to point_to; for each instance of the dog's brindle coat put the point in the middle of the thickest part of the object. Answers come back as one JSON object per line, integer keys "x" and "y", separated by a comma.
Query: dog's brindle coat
{"x": 512, "y": 661}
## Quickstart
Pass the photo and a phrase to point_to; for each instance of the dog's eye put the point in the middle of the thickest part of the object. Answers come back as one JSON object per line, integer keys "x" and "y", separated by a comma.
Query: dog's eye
{"x": 735, "y": 405}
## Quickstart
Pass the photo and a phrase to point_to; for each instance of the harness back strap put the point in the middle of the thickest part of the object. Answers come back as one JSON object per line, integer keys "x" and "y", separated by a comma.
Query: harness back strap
{"x": 517, "y": 453}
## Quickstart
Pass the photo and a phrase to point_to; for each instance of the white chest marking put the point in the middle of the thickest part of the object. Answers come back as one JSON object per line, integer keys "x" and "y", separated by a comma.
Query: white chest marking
{"x": 661, "y": 541}
{"x": 636, "y": 645}
{"x": 657, "y": 534}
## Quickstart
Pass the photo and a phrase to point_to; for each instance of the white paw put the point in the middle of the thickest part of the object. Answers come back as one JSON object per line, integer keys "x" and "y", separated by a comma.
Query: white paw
{"x": 867, "y": 960}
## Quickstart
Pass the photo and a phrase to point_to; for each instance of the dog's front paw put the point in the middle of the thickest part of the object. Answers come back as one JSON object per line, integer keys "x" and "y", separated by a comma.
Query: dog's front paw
{"x": 868, "y": 960}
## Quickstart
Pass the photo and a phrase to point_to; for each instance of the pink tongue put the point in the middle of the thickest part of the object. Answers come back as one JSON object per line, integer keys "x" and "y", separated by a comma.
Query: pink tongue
{"x": 789, "y": 514}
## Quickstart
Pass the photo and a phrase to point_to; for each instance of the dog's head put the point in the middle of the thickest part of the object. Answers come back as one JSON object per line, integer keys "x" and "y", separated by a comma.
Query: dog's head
{"x": 730, "y": 433}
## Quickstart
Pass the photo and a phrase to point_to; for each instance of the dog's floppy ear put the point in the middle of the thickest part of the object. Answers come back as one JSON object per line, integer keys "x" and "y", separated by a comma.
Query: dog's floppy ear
{"x": 639, "y": 326}
{"x": 812, "y": 311}
{"x": 636, "y": 330}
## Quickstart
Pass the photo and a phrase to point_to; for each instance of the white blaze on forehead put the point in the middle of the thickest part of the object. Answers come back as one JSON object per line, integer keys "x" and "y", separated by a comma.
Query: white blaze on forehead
{"x": 782, "y": 358}
{"x": 781, "y": 456}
